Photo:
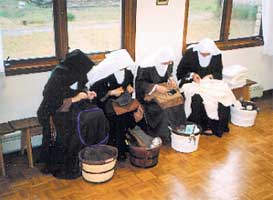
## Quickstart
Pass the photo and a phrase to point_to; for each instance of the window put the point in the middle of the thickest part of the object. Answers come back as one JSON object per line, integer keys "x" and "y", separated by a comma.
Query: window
{"x": 24, "y": 26}
{"x": 38, "y": 33}
{"x": 231, "y": 23}
{"x": 94, "y": 25}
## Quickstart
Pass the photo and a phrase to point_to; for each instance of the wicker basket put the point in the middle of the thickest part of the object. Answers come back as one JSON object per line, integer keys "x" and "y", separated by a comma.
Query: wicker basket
{"x": 95, "y": 169}
{"x": 144, "y": 157}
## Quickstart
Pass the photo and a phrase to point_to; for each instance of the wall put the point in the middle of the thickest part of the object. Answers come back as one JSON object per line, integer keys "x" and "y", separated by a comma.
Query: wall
{"x": 21, "y": 95}
{"x": 158, "y": 26}
{"x": 1, "y": 53}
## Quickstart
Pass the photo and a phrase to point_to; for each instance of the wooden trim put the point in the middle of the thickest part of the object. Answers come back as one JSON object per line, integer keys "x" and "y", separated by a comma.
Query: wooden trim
{"x": 240, "y": 43}
{"x": 226, "y": 18}
{"x": 129, "y": 24}
{"x": 185, "y": 29}
{"x": 60, "y": 27}
{"x": 41, "y": 65}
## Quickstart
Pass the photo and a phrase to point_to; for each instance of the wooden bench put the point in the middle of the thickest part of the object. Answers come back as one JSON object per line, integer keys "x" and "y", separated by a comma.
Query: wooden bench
{"x": 243, "y": 92}
{"x": 24, "y": 125}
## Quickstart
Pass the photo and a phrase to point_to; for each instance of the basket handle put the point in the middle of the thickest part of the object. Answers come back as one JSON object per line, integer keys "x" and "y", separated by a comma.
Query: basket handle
{"x": 103, "y": 141}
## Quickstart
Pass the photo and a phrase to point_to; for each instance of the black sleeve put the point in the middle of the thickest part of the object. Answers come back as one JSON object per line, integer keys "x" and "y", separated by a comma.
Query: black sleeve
{"x": 129, "y": 79}
{"x": 143, "y": 82}
{"x": 218, "y": 68}
{"x": 101, "y": 88}
{"x": 185, "y": 67}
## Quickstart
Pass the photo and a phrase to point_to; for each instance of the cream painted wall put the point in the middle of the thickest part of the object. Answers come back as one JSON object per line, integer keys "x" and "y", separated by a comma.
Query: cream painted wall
{"x": 21, "y": 95}
{"x": 158, "y": 26}
{"x": 163, "y": 26}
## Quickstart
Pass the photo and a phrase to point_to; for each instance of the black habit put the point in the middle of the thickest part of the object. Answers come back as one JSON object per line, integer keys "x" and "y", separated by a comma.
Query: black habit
{"x": 119, "y": 124}
{"x": 157, "y": 119}
{"x": 190, "y": 63}
{"x": 60, "y": 154}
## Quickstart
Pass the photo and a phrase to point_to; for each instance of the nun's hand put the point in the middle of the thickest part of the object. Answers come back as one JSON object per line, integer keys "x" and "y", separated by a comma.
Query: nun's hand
{"x": 196, "y": 78}
{"x": 130, "y": 89}
{"x": 209, "y": 76}
{"x": 80, "y": 96}
{"x": 171, "y": 83}
{"x": 161, "y": 89}
{"x": 91, "y": 94}
{"x": 116, "y": 92}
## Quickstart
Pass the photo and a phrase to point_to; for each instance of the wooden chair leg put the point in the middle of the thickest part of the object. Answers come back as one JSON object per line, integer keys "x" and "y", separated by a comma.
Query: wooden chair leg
{"x": 2, "y": 159}
{"x": 29, "y": 148}
{"x": 23, "y": 142}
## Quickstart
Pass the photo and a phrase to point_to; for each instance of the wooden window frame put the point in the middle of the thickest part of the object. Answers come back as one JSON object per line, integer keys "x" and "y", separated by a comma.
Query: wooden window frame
{"x": 34, "y": 65}
{"x": 224, "y": 43}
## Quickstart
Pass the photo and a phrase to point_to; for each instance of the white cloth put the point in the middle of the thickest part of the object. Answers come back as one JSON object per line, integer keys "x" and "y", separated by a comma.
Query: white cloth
{"x": 235, "y": 75}
{"x": 74, "y": 86}
{"x": 119, "y": 75}
{"x": 267, "y": 16}
{"x": 113, "y": 63}
{"x": 212, "y": 92}
{"x": 206, "y": 45}
{"x": 163, "y": 55}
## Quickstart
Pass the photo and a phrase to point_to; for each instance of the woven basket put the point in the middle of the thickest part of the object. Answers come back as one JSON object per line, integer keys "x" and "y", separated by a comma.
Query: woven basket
{"x": 97, "y": 170}
{"x": 144, "y": 157}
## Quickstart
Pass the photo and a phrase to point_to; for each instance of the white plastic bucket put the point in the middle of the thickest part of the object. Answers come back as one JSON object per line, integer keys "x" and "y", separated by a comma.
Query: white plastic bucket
{"x": 184, "y": 142}
{"x": 244, "y": 118}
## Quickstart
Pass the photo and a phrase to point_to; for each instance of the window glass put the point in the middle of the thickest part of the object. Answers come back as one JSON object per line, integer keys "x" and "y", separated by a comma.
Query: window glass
{"x": 245, "y": 18}
{"x": 94, "y": 25}
{"x": 27, "y": 28}
{"x": 204, "y": 19}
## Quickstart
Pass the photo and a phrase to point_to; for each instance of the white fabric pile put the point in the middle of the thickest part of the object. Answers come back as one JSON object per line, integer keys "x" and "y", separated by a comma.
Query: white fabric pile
{"x": 235, "y": 76}
{"x": 212, "y": 92}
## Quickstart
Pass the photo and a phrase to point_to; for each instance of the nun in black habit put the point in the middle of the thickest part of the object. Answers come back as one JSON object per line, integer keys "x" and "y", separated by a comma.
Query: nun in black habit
{"x": 61, "y": 105}
{"x": 154, "y": 70}
{"x": 203, "y": 61}
{"x": 111, "y": 79}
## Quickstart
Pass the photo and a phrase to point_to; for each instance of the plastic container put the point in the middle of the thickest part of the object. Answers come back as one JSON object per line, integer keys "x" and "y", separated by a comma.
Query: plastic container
{"x": 185, "y": 142}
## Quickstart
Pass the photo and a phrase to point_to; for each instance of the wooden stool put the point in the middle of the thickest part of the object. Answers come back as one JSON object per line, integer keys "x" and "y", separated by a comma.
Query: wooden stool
{"x": 5, "y": 128}
{"x": 25, "y": 125}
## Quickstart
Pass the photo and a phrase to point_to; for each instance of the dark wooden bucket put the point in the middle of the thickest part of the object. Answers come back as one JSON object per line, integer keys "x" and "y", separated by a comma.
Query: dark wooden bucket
{"x": 144, "y": 157}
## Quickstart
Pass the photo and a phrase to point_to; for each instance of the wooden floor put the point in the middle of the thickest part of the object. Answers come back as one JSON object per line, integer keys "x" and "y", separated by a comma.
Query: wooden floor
{"x": 237, "y": 166}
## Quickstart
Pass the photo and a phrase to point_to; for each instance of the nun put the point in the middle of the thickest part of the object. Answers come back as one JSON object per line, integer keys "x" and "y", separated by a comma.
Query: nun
{"x": 112, "y": 80}
{"x": 152, "y": 72}
{"x": 64, "y": 97}
{"x": 203, "y": 61}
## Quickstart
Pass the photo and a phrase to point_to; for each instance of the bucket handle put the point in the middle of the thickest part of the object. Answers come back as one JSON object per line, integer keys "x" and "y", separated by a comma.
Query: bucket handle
{"x": 103, "y": 141}
{"x": 192, "y": 136}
